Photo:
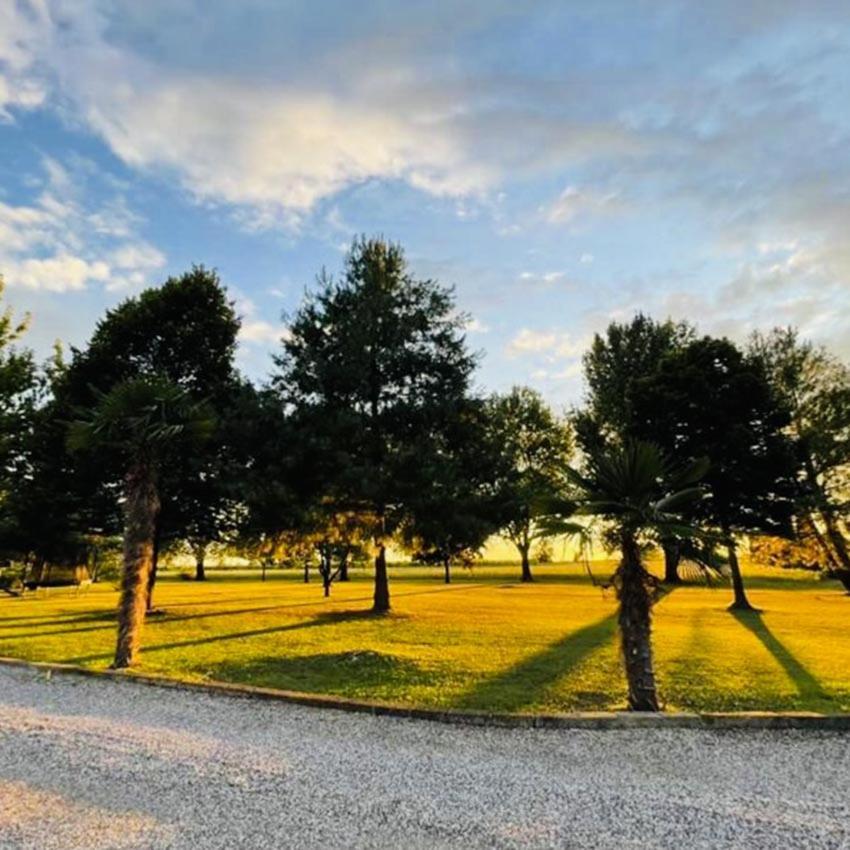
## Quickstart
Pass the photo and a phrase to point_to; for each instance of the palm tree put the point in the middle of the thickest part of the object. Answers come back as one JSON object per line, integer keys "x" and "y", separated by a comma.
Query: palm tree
{"x": 143, "y": 420}
{"x": 638, "y": 491}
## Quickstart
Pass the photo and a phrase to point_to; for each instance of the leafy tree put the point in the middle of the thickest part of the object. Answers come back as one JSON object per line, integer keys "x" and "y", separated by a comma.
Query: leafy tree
{"x": 146, "y": 421}
{"x": 626, "y": 353}
{"x": 452, "y": 518}
{"x": 280, "y": 478}
{"x": 18, "y": 387}
{"x": 338, "y": 538}
{"x": 377, "y": 364}
{"x": 815, "y": 388}
{"x": 710, "y": 400}
{"x": 18, "y": 396}
{"x": 640, "y": 493}
{"x": 185, "y": 331}
{"x": 536, "y": 447}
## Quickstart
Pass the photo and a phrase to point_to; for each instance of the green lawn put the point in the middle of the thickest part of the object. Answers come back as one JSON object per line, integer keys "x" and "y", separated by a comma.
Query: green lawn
{"x": 484, "y": 642}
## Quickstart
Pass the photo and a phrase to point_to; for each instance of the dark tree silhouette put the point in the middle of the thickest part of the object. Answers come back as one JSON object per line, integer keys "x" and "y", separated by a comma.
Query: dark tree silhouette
{"x": 376, "y": 362}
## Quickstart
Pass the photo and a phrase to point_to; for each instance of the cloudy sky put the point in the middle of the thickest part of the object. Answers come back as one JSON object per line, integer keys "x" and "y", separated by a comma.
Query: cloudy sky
{"x": 562, "y": 164}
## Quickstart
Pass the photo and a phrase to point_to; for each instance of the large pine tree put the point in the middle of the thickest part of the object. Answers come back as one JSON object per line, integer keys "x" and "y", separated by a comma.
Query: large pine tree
{"x": 376, "y": 363}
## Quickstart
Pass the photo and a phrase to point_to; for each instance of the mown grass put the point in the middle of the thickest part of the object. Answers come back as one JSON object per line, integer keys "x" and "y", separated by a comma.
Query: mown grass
{"x": 484, "y": 642}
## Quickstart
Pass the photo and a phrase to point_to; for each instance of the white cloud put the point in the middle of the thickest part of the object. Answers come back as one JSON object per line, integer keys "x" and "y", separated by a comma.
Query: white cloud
{"x": 551, "y": 344}
{"x": 546, "y": 278}
{"x": 51, "y": 245}
{"x": 574, "y": 203}
{"x": 22, "y": 32}
{"x": 586, "y": 259}
{"x": 60, "y": 273}
{"x": 260, "y": 331}
{"x": 136, "y": 255}
{"x": 476, "y": 326}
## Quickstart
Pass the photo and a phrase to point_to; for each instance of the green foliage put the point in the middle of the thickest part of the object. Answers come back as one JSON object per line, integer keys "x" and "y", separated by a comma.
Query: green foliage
{"x": 637, "y": 488}
{"x": 375, "y": 368}
{"x": 535, "y": 446}
{"x": 815, "y": 388}
{"x": 613, "y": 365}
{"x": 708, "y": 400}
{"x": 144, "y": 419}
{"x": 452, "y": 518}
{"x": 184, "y": 332}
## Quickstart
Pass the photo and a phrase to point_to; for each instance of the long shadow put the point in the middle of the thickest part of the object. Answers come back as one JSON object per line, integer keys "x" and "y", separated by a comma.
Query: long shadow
{"x": 519, "y": 686}
{"x": 807, "y": 685}
{"x": 324, "y": 619}
{"x": 230, "y": 612}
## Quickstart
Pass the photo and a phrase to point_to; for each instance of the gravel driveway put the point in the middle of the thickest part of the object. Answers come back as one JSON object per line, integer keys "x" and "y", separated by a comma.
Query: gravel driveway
{"x": 98, "y": 764}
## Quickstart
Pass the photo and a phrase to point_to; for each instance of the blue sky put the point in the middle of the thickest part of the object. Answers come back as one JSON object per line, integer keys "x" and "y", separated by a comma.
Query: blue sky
{"x": 562, "y": 164}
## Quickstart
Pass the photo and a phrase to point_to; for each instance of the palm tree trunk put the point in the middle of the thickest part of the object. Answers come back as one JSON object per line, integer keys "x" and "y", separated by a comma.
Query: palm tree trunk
{"x": 140, "y": 513}
{"x": 154, "y": 566}
{"x": 635, "y": 618}
{"x": 740, "y": 602}
{"x": 672, "y": 558}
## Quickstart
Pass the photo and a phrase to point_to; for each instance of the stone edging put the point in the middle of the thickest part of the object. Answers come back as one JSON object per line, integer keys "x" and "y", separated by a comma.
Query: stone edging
{"x": 578, "y": 720}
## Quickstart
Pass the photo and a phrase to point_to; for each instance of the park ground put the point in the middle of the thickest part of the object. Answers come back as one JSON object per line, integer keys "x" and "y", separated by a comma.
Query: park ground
{"x": 485, "y": 642}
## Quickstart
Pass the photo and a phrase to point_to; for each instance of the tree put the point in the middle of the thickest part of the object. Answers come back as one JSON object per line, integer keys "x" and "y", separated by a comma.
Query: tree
{"x": 18, "y": 400}
{"x": 615, "y": 362}
{"x": 376, "y": 363}
{"x": 710, "y": 400}
{"x": 453, "y": 517}
{"x": 639, "y": 492}
{"x": 185, "y": 331}
{"x": 815, "y": 388}
{"x": 536, "y": 447}
{"x": 337, "y": 538}
{"x": 145, "y": 421}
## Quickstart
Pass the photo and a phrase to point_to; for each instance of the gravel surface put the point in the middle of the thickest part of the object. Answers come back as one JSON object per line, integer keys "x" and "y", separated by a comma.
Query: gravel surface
{"x": 99, "y": 764}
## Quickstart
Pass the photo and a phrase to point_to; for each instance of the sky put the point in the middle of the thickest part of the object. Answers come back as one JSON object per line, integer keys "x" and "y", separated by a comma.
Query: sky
{"x": 561, "y": 164}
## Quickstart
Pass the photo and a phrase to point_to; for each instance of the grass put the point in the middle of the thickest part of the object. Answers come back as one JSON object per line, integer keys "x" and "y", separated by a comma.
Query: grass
{"x": 484, "y": 642}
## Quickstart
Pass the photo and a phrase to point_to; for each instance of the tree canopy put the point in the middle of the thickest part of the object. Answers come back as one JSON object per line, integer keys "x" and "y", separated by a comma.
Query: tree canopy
{"x": 376, "y": 363}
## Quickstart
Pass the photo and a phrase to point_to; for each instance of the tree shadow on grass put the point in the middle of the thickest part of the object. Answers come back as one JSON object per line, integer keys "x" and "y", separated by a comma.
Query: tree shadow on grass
{"x": 324, "y": 619}
{"x": 522, "y": 684}
{"x": 362, "y": 673}
{"x": 807, "y": 685}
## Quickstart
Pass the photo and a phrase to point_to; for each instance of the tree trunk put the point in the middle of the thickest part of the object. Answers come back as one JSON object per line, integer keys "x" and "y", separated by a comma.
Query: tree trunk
{"x": 823, "y": 544}
{"x": 672, "y": 559}
{"x": 526, "y": 564}
{"x": 306, "y": 571}
{"x": 382, "y": 585}
{"x": 200, "y": 557}
{"x": 154, "y": 564}
{"x": 263, "y": 566}
{"x": 40, "y": 570}
{"x": 635, "y": 618}
{"x": 740, "y": 602}
{"x": 836, "y": 538}
{"x": 140, "y": 513}
{"x": 343, "y": 570}
{"x": 447, "y": 567}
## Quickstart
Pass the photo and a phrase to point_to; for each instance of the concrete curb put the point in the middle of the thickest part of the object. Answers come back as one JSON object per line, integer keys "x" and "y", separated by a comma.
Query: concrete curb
{"x": 755, "y": 720}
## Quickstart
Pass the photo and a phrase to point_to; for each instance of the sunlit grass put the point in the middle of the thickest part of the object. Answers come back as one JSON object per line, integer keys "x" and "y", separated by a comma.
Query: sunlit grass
{"x": 484, "y": 642}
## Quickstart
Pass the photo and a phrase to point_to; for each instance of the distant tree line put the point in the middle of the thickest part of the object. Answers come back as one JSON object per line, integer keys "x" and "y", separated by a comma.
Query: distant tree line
{"x": 369, "y": 433}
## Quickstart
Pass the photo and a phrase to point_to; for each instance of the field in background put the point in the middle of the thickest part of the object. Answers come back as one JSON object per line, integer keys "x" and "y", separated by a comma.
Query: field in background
{"x": 484, "y": 642}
